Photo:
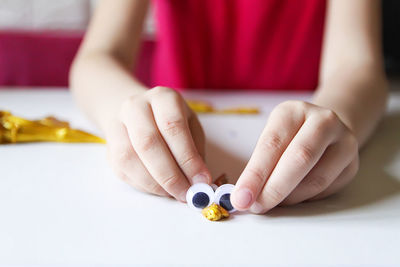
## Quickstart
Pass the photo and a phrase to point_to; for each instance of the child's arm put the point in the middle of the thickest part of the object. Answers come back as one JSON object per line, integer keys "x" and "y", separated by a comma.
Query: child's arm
{"x": 353, "y": 81}
{"x": 155, "y": 142}
{"x": 309, "y": 151}
{"x": 103, "y": 66}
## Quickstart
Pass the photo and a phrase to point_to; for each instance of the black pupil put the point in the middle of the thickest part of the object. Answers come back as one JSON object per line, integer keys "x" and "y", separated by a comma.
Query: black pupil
{"x": 225, "y": 202}
{"x": 201, "y": 200}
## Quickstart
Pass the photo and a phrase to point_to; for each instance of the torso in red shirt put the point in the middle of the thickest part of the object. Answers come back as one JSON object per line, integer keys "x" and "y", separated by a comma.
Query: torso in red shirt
{"x": 238, "y": 44}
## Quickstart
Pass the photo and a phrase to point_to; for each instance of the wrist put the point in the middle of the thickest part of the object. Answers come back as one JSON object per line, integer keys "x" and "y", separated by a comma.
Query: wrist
{"x": 350, "y": 105}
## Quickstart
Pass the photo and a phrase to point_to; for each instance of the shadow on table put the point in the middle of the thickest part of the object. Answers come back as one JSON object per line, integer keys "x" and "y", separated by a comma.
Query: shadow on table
{"x": 221, "y": 161}
{"x": 372, "y": 184}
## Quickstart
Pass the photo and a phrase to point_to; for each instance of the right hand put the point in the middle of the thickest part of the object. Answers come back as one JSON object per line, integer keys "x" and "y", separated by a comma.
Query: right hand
{"x": 156, "y": 144}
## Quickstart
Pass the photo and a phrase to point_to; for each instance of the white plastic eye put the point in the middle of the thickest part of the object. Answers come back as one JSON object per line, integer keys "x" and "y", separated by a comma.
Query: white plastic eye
{"x": 200, "y": 196}
{"x": 223, "y": 197}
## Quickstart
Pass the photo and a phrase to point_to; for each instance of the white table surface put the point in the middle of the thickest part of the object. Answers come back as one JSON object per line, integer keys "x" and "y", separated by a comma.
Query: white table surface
{"x": 61, "y": 203}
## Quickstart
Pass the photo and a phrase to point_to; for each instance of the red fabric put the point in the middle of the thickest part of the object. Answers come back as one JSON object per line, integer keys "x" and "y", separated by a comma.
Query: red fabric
{"x": 257, "y": 44}
{"x": 37, "y": 58}
{"x": 44, "y": 58}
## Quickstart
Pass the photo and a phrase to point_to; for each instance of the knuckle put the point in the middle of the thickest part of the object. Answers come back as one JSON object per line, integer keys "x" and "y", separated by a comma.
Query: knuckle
{"x": 162, "y": 94}
{"x": 170, "y": 182}
{"x": 154, "y": 188}
{"x": 173, "y": 126}
{"x": 292, "y": 106}
{"x": 319, "y": 183}
{"x": 275, "y": 195}
{"x": 271, "y": 142}
{"x": 303, "y": 155}
{"x": 188, "y": 159}
{"x": 329, "y": 118}
{"x": 283, "y": 105}
{"x": 300, "y": 105}
{"x": 120, "y": 159}
{"x": 126, "y": 155}
{"x": 161, "y": 90}
{"x": 258, "y": 175}
{"x": 131, "y": 102}
{"x": 129, "y": 106}
{"x": 128, "y": 179}
{"x": 146, "y": 142}
{"x": 286, "y": 106}
{"x": 288, "y": 103}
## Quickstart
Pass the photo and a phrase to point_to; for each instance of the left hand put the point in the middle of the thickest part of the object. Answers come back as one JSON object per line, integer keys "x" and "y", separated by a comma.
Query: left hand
{"x": 304, "y": 153}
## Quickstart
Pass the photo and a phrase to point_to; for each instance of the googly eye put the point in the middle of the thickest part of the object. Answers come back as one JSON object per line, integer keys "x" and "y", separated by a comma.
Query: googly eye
{"x": 223, "y": 196}
{"x": 199, "y": 196}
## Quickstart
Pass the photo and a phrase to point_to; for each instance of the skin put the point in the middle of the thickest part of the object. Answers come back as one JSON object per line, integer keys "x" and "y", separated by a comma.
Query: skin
{"x": 307, "y": 151}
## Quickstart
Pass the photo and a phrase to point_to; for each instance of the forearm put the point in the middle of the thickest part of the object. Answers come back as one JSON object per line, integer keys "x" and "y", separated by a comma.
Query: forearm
{"x": 100, "y": 83}
{"x": 101, "y": 76}
{"x": 358, "y": 97}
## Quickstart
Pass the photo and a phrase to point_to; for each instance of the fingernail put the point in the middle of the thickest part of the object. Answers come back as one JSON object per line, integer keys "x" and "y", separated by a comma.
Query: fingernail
{"x": 243, "y": 198}
{"x": 199, "y": 178}
{"x": 256, "y": 208}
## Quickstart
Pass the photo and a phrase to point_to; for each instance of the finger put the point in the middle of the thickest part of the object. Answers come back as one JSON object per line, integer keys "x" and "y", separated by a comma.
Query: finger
{"x": 155, "y": 190}
{"x": 126, "y": 163}
{"x": 198, "y": 135}
{"x": 335, "y": 159}
{"x": 282, "y": 126}
{"x": 152, "y": 150}
{"x": 344, "y": 178}
{"x": 169, "y": 116}
{"x": 299, "y": 158}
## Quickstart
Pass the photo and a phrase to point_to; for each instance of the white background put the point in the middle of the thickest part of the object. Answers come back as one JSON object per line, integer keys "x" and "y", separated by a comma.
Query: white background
{"x": 61, "y": 203}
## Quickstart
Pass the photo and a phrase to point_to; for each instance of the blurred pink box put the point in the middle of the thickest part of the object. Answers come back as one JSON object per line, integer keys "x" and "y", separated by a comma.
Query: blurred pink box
{"x": 43, "y": 58}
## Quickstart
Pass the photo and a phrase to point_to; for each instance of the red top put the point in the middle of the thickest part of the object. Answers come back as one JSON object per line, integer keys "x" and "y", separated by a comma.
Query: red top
{"x": 237, "y": 44}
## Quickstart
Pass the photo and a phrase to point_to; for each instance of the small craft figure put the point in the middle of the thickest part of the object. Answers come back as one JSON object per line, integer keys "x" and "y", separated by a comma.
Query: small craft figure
{"x": 214, "y": 206}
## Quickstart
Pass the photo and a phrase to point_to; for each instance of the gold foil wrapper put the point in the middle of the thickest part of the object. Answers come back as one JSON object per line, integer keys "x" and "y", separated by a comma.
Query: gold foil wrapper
{"x": 14, "y": 129}
{"x": 204, "y": 107}
{"x": 215, "y": 212}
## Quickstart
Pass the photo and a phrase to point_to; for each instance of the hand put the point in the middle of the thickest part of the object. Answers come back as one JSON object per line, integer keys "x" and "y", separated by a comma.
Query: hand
{"x": 304, "y": 153}
{"x": 157, "y": 143}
